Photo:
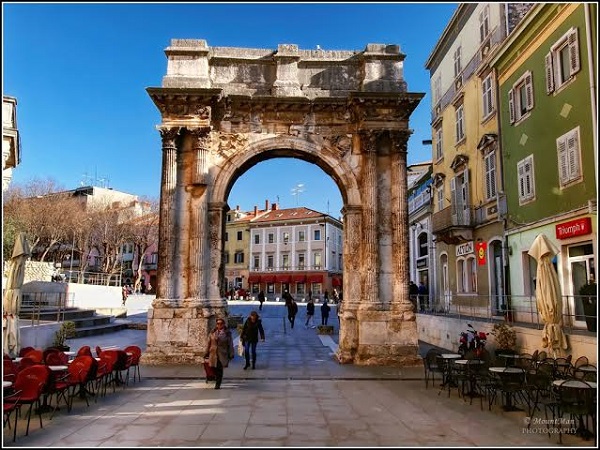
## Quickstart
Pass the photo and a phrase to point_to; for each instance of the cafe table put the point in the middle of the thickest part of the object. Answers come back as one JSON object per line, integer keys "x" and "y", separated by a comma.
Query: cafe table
{"x": 6, "y": 384}
{"x": 501, "y": 371}
{"x": 471, "y": 375}
{"x": 447, "y": 361}
{"x": 582, "y": 430}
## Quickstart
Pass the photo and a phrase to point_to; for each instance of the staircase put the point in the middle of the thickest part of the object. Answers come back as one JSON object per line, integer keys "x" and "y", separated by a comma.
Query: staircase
{"x": 87, "y": 321}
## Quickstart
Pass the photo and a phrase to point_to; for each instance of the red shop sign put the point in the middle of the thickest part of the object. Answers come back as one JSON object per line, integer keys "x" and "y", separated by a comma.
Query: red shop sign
{"x": 572, "y": 228}
{"x": 480, "y": 249}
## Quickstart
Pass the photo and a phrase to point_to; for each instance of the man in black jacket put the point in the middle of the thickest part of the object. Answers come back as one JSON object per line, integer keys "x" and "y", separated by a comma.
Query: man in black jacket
{"x": 252, "y": 328}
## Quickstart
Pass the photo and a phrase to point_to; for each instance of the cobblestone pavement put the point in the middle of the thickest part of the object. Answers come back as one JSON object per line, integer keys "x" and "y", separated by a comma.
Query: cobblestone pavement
{"x": 298, "y": 396}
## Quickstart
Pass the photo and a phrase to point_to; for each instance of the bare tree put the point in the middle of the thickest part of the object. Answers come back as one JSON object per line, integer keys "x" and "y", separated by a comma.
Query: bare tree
{"x": 144, "y": 234}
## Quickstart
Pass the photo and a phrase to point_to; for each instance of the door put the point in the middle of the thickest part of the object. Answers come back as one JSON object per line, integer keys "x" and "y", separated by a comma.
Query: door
{"x": 582, "y": 269}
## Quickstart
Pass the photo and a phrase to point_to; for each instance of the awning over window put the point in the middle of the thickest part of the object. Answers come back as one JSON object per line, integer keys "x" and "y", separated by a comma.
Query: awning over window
{"x": 283, "y": 278}
{"x": 254, "y": 279}
{"x": 298, "y": 278}
{"x": 336, "y": 281}
{"x": 268, "y": 278}
{"x": 315, "y": 278}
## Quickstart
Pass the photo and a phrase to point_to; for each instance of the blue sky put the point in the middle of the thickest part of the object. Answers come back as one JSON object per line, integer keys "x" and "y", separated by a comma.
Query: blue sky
{"x": 80, "y": 73}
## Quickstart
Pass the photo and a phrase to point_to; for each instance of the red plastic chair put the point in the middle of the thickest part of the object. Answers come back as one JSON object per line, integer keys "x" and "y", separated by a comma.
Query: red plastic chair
{"x": 26, "y": 361}
{"x": 98, "y": 351}
{"x": 80, "y": 372}
{"x": 136, "y": 355}
{"x": 10, "y": 370}
{"x": 24, "y": 351}
{"x": 31, "y": 383}
{"x": 57, "y": 358}
{"x": 85, "y": 350}
{"x": 103, "y": 376}
{"x": 36, "y": 355}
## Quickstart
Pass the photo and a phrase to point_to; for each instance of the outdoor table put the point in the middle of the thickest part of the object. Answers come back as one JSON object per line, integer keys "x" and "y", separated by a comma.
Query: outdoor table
{"x": 448, "y": 358}
{"x": 578, "y": 384}
{"x": 18, "y": 359}
{"x": 508, "y": 406}
{"x": 58, "y": 368}
{"x": 6, "y": 384}
{"x": 509, "y": 356}
{"x": 470, "y": 362}
{"x": 587, "y": 368}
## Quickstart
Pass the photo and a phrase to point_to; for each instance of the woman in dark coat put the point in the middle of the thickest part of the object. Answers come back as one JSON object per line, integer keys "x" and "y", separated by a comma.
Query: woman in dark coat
{"x": 252, "y": 328}
{"x": 220, "y": 350}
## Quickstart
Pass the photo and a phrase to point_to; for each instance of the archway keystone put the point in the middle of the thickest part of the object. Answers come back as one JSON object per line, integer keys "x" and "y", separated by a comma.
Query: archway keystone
{"x": 224, "y": 110}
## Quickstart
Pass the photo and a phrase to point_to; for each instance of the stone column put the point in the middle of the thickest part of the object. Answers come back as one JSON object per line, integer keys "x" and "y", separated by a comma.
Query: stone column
{"x": 215, "y": 240}
{"x": 166, "y": 250}
{"x": 370, "y": 260}
{"x": 197, "y": 269}
{"x": 401, "y": 262}
{"x": 348, "y": 339}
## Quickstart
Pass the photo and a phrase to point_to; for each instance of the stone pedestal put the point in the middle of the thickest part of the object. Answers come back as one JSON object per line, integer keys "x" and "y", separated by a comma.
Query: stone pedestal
{"x": 179, "y": 335}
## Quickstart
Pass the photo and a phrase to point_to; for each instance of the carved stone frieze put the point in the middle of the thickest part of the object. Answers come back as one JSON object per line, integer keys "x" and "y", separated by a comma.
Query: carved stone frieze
{"x": 342, "y": 144}
{"x": 230, "y": 143}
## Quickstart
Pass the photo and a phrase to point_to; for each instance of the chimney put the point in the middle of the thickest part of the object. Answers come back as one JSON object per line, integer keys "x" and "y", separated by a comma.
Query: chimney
{"x": 274, "y": 207}
{"x": 266, "y": 205}
{"x": 237, "y": 208}
{"x": 255, "y": 210}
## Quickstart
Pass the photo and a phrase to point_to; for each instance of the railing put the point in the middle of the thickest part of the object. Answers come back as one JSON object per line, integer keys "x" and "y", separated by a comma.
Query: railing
{"x": 98, "y": 279}
{"x": 452, "y": 217}
{"x": 38, "y": 302}
{"x": 522, "y": 311}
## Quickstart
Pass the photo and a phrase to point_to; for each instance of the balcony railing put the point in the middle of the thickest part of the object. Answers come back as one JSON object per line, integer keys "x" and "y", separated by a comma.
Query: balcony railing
{"x": 452, "y": 217}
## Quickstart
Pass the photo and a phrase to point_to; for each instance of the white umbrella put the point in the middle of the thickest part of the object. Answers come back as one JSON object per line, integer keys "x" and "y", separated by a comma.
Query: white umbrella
{"x": 11, "y": 303}
{"x": 547, "y": 294}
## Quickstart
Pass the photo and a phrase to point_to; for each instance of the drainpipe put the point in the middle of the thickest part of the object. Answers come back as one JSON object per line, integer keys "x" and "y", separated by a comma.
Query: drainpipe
{"x": 588, "y": 33}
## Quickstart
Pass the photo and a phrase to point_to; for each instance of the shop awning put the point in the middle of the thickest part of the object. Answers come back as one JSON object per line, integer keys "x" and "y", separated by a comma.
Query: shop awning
{"x": 336, "y": 281}
{"x": 315, "y": 278}
{"x": 268, "y": 278}
{"x": 254, "y": 279}
{"x": 298, "y": 278}
{"x": 283, "y": 278}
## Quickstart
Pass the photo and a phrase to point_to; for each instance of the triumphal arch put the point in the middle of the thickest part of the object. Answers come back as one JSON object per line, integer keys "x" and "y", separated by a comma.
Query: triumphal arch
{"x": 226, "y": 109}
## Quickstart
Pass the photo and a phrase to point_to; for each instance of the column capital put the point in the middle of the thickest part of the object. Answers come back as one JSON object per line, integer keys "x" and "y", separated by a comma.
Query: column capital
{"x": 199, "y": 132}
{"x": 399, "y": 140}
{"x": 168, "y": 135}
{"x": 368, "y": 140}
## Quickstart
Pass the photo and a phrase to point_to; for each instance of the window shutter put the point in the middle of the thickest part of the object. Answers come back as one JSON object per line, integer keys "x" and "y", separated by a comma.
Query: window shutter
{"x": 529, "y": 90}
{"x": 511, "y": 105}
{"x": 528, "y": 179}
{"x": 563, "y": 170}
{"x": 549, "y": 74}
{"x": 453, "y": 199}
{"x": 573, "y": 155}
{"x": 574, "y": 51}
{"x": 521, "y": 171}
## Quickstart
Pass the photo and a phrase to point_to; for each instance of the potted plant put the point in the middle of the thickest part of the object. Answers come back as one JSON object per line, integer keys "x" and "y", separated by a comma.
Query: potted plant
{"x": 506, "y": 338}
{"x": 66, "y": 331}
{"x": 589, "y": 292}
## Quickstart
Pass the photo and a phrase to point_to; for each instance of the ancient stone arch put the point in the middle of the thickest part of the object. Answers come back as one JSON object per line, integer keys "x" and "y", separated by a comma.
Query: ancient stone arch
{"x": 226, "y": 109}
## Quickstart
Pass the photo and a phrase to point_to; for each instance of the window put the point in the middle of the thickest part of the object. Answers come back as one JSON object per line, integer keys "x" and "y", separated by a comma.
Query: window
{"x": 226, "y": 257}
{"x": 317, "y": 235}
{"x": 270, "y": 262}
{"x": 271, "y": 238}
{"x": 488, "y": 97}
{"x": 286, "y": 262}
{"x": 286, "y": 237}
{"x": 466, "y": 275}
{"x": 484, "y": 23}
{"x": 562, "y": 63}
{"x": 520, "y": 98}
{"x": 460, "y": 124}
{"x": 300, "y": 288}
{"x": 439, "y": 150}
{"x": 270, "y": 288}
{"x": 226, "y": 236}
{"x": 301, "y": 261}
{"x": 256, "y": 264}
{"x": 228, "y": 217}
{"x": 526, "y": 180}
{"x": 154, "y": 258}
{"x": 317, "y": 260}
{"x": 490, "y": 175}
{"x": 301, "y": 236}
{"x": 569, "y": 157}
{"x": 238, "y": 257}
{"x": 257, "y": 238}
{"x": 437, "y": 89}
{"x": 440, "y": 197}
{"x": 457, "y": 63}
{"x": 239, "y": 235}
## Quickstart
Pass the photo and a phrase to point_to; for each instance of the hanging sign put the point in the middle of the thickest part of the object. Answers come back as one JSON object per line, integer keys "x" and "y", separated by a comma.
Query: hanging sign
{"x": 480, "y": 249}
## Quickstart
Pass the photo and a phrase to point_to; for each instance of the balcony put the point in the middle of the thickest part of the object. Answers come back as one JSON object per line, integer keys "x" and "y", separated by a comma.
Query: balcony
{"x": 453, "y": 226}
{"x": 149, "y": 266}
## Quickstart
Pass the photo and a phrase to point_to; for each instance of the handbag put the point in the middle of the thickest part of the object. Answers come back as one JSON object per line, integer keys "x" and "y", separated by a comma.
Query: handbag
{"x": 240, "y": 349}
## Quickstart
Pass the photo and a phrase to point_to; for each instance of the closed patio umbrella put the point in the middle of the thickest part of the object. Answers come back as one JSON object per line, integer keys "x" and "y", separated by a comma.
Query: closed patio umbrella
{"x": 547, "y": 294}
{"x": 11, "y": 303}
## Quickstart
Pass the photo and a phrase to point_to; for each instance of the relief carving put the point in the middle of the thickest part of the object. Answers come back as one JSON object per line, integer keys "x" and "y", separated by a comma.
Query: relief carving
{"x": 342, "y": 143}
{"x": 230, "y": 143}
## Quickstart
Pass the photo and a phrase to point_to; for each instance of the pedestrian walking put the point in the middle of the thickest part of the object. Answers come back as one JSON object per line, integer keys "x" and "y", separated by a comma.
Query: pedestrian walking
{"x": 124, "y": 294}
{"x": 292, "y": 310}
{"x": 261, "y": 299}
{"x": 250, "y": 332}
{"x": 325, "y": 308}
{"x": 220, "y": 350}
{"x": 413, "y": 293}
{"x": 310, "y": 312}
